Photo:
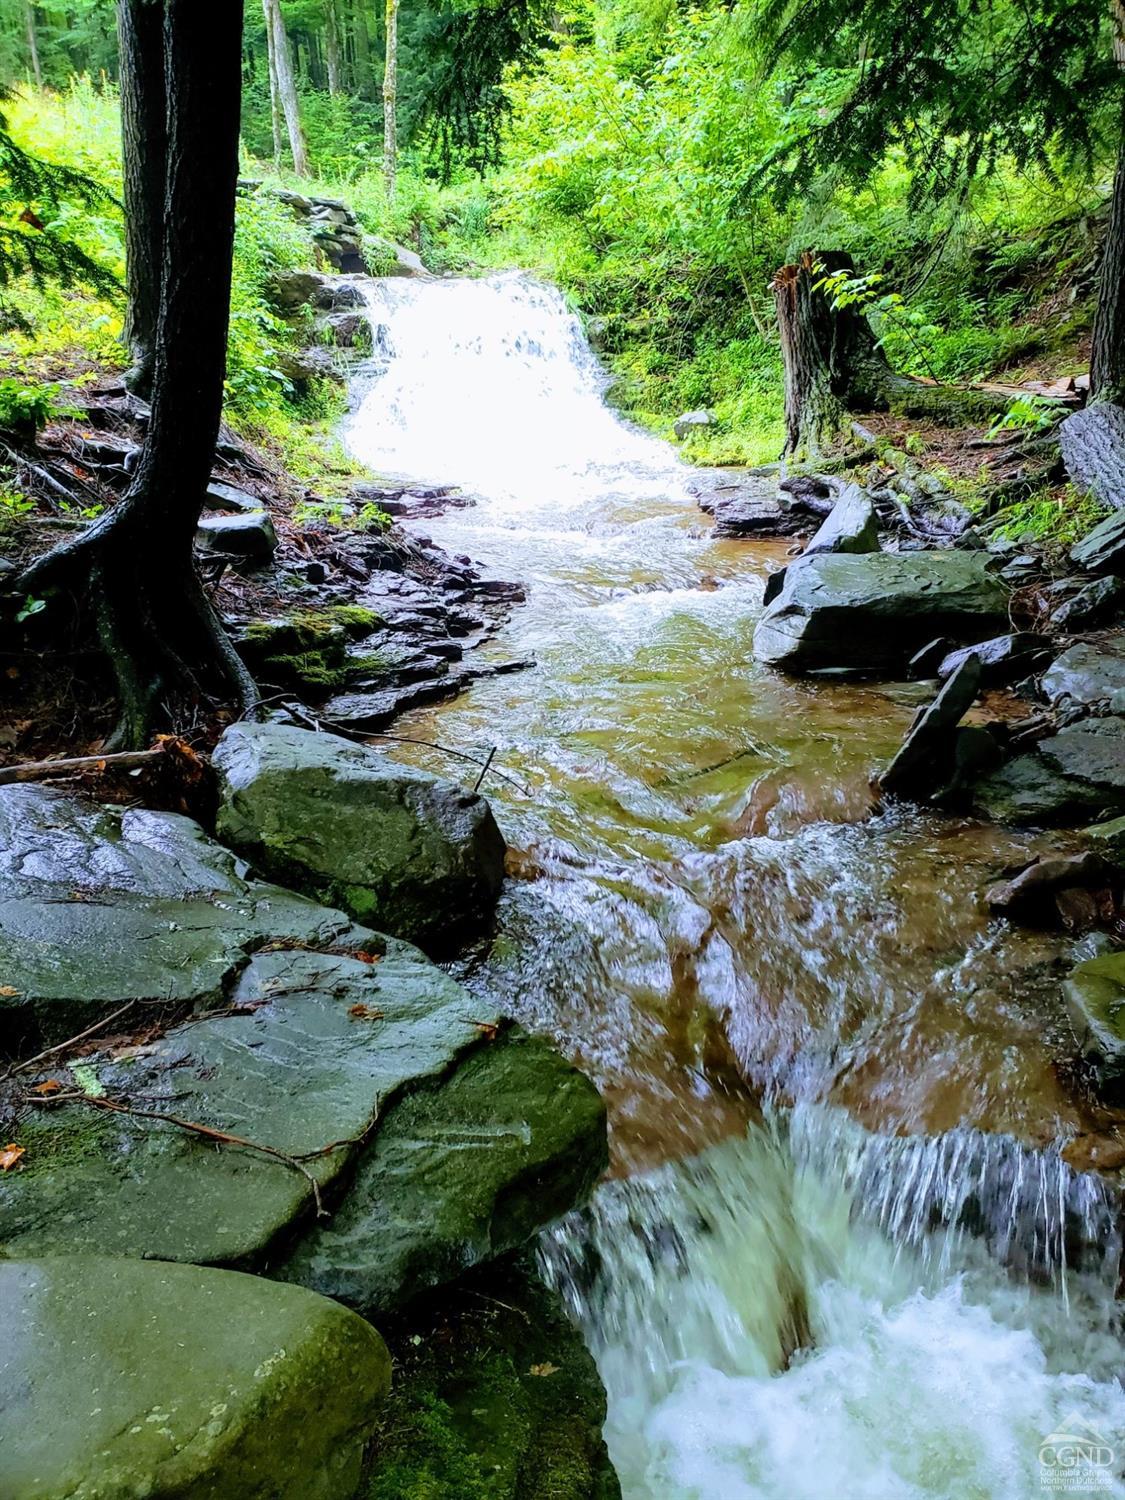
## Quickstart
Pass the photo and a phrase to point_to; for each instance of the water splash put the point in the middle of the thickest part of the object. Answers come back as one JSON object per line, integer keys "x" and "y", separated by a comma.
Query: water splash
{"x": 767, "y": 1330}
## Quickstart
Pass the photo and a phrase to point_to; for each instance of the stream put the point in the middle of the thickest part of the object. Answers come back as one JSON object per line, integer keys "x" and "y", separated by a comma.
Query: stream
{"x": 839, "y": 1252}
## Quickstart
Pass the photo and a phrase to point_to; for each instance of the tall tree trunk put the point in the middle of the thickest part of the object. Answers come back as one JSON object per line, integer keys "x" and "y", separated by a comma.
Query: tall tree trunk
{"x": 286, "y": 87}
{"x": 332, "y": 46}
{"x": 364, "y": 72}
{"x": 390, "y": 103}
{"x": 275, "y": 97}
{"x": 134, "y": 566}
{"x": 1107, "y": 356}
{"x": 32, "y": 43}
{"x": 140, "y": 30}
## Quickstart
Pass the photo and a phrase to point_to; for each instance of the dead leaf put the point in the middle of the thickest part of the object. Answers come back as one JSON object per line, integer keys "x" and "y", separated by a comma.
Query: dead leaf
{"x": 544, "y": 1370}
{"x": 10, "y": 1155}
{"x": 368, "y": 958}
{"x": 32, "y": 219}
{"x": 51, "y": 1086}
{"x": 8, "y": 991}
{"x": 488, "y": 1029}
{"x": 363, "y": 1012}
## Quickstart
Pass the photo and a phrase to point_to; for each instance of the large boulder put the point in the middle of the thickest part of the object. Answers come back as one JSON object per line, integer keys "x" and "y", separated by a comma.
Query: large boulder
{"x": 1095, "y": 997}
{"x": 457, "y": 1175}
{"x": 248, "y": 535}
{"x": 301, "y": 1060}
{"x": 1089, "y": 676}
{"x": 397, "y": 847}
{"x": 872, "y": 612}
{"x": 129, "y": 1378}
{"x": 851, "y": 526}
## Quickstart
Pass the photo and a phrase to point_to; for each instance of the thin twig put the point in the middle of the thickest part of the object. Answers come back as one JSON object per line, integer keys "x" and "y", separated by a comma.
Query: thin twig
{"x": 22, "y": 1067}
{"x": 484, "y": 769}
{"x": 221, "y": 1137}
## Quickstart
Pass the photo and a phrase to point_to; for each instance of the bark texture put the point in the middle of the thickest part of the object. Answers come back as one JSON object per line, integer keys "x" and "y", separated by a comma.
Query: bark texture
{"x": 140, "y": 30}
{"x": 390, "y": 103}
{"x": 332, "y": 47}
{"x": 134, "y": 568}
{"x": 832, "y": 362}
{"x": 275, "y": 97}
{"x": 1093, "y": 450}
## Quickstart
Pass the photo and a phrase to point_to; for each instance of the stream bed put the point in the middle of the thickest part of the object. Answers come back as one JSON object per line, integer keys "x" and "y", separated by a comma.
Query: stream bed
{"x": 839, "y": 1251}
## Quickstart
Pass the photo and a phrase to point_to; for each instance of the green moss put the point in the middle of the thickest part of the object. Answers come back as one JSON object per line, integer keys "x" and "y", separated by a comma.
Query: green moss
{"x": 494, "y": 1397}
{"x": 357, "y": 620}
{"x": 308, "y": 650}
{"x": 64, "y": 1138}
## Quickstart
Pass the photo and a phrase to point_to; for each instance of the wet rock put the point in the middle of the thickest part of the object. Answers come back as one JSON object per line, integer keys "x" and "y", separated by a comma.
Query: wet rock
{"x": 872, "y": 613}
{"x": 752, "y": 516}
{"x": 693, "y": 422}
{"x": 386, "y": 258}
{"x": 290, "y": 290}
{"x": 1108, "y": 841}
{"x": 333, "y": 294}
{"x": 248, "y": 536}
{"x": 347, "y": 330}
{"x": 318, "y": 362}
{"x": 459, "y": 1174}
{"x": 1003, "y": 659}
{"x": 306, "y": 1051}
{"x": 812, "y": 493}
{"x": 102, "y": 905}
{"x": 230, "y": 497}
{"x": 128, "y": 1378}
{"x": 1074, "y": 776}
{"x": 1102, "y": 550}
{"x": 494, "y": 1392}
{"x": 397, "y": 847}
{"x": 852, "y": 526}
{"x": 925, "y": 662}
{"x": 923, "y": 764}
{"x": 1089, "y": 676}
{"x": 1030, "y": 895}
{"x": 1095, "y": 997}
{"x": 1090, "y": 605}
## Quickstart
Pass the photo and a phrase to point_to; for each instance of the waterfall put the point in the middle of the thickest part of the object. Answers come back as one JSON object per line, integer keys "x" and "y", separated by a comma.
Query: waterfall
{"x": 491, "y": 385}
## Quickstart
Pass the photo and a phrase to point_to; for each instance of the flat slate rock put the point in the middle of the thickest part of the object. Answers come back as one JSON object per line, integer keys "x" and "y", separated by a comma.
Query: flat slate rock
{"x": 247, "y": 534}
{"x": 1074, "y": 776}
{"x": 102, "y": 905}
{"x": 128, "y": 1378}
{"x": 406, "y": 851}
{"x": 1102, "y": 550}
{"x": 1095, "y": 997}
{"x": 923, "y": 763}
{"x": 457, "y": 1175}
{"x": 1089, "y": 676}
{"x": 324, "y": 1041}
{"x": 871, "y": 613}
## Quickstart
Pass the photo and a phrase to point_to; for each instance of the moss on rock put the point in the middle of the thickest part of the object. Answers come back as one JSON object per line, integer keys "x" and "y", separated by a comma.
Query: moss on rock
{"x": 495, "y": 1397}
{"x": 307, "y": 650}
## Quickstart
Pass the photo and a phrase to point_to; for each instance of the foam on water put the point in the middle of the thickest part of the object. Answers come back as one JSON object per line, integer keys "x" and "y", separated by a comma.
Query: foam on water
{"x": 766, "y": 1331}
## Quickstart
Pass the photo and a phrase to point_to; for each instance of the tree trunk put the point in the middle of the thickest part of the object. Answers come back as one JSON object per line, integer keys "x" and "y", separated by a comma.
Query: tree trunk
{"x": 1107, "y": 357}
{"x": 332, "y": 46}
{"x": 275, "y": 97}
{"x": 364, "y": 74}
{"x": 134, "y": 566}
{"x": 32, "y": 43}
{"x": 140, "y": 30}
{"x": 390, "y": 103}
{"x": 831, "y": 358}
{"x": 834, "y": 365}
{"x": 286, "y": 87}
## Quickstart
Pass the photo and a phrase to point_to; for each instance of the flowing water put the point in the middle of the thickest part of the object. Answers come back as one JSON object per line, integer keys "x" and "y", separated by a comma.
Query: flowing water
{"x": 843, "y": 1250}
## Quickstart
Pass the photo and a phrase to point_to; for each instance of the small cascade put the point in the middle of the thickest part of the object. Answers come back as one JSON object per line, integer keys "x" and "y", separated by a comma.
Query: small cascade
{"x": 785, "y": 1317}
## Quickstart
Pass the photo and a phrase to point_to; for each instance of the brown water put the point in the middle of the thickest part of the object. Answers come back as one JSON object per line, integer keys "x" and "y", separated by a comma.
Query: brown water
{"x": 707, "y": 911}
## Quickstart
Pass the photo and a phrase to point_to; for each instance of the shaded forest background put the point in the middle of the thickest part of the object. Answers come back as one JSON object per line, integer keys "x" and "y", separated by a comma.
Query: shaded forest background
{"x": 659, "y": 161}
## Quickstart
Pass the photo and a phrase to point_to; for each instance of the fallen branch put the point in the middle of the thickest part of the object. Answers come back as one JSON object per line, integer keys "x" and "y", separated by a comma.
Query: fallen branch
{"x": 72, "y": 1041}
{"x": 36, "y": 770}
